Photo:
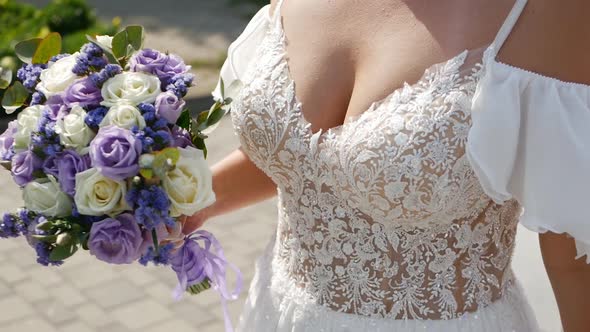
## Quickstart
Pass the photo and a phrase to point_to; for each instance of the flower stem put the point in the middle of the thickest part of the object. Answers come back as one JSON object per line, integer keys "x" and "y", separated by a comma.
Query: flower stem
{"x": 198, "y": 288}
{"x": 155, "y": 238}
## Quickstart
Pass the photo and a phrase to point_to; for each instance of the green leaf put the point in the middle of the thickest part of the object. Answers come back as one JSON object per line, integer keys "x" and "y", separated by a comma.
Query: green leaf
{"x": 222, "y": 88}
{"x": 45, "y": 226}
{"x": 184, "y": 121}
{"x": 215, "y": 116}
{"x": 165, "y": 160}
{"x": 131, "y": 36}
{"x": 135, "y": 36}
{"x": 50, "y": 46}
{"x": 25, "y": 50}
{"x": 5, "y": 78}
{"x": 14, "y": 97}
{"x": 7, "y": 164}
{"x": 200, "y": 144}
{"x": 146, "y": 173}
{"x": 45, "y": 238}
{"x": 60, "y": 253}
{"x": 202, "y": 117}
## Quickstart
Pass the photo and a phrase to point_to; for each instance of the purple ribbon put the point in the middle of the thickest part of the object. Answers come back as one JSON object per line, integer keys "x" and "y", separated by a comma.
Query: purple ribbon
{"x": 193, "y": 263}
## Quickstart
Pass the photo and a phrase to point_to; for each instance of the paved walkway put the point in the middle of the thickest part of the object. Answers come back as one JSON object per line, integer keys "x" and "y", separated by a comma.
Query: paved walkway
{"x": 85, "y": 295}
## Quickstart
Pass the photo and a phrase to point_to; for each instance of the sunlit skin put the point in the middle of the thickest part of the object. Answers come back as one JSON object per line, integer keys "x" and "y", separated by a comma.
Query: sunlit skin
{"x": 360, "y": 51}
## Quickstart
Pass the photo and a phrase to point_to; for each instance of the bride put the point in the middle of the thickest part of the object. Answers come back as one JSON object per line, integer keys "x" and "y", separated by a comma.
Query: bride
{"x": 398, "y": 202}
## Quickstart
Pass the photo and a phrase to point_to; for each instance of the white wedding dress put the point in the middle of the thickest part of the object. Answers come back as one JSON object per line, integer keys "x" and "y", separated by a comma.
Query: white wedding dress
{"x": 404, "y": 218}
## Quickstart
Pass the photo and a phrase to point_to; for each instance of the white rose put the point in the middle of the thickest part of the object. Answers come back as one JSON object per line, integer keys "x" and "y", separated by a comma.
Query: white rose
{"x": 189, "y": 185}
{"x": 43, "y": 196}
{"x": 27, "y": 121}
{"x": 130, "y": 88}
{"x": 123, "y": 116}
{"x": 58, "y": 76}
{"x": 105, "y": 41}
{"x": 73, "y": 131}
{"x": 97, "y": 195}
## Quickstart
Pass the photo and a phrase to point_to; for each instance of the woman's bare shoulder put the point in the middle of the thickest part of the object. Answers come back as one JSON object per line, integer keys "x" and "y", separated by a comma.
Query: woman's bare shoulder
{"x": 552, "y": 37}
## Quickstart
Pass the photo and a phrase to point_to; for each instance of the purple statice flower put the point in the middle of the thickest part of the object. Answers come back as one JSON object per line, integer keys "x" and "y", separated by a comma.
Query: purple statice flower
{"x": 24, "y": 166}
{"x": 90, "y": 59}
{"x": 115, "y": 152}
{"x": 156, "y": 135}
{"x": 45, "y": 141}
{"x": 69, "y": 163}
{"x": 165, "y": 66}
{"x": 43, "y": 251}
{"x": 82, "y": 92}
{"x": 29, "y": 74}
{"x": 37, "y": 98}
{"x": 180, "y": 83}
{"x": 161, "y": 257}
{"x": 95, "y": 116}
{"x": 58, "y": 57}
{"x": 102, "y": 76}
{"x": 151, "y": 206}
{"x": 116, "y": 240}
{"x": 7, "y": 141}
{"x": 8, "y": 227}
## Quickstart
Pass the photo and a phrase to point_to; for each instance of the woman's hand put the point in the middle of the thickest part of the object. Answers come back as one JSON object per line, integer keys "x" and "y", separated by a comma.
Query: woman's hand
{"x": 194, "y": 222}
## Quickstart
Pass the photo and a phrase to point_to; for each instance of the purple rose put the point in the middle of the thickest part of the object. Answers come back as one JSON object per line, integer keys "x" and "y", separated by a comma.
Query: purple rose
{"x": 165, "y": 66}
{"x": 82, "y": 92}
{"x": 181, "y": 137}
{"x": 116, "y": 240}
{"x": 169, "y": 106}
{"x": 50, "y": 166}
{"x": 6, "y": 141}
{"x": 24, "y": 164}
{"x": 69, "y": 164}
{"x": 57, "y": 107}
{"x": 115, "y": 152}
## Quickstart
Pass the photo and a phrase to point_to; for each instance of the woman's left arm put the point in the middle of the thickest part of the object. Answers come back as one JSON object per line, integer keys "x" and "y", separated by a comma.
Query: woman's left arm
{"x": 552, "y": 37}
{"x": 570, "y": 279}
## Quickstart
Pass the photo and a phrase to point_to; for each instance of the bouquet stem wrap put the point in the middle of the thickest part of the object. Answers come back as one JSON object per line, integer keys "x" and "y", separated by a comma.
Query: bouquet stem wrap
{"x": 194, "y": 264}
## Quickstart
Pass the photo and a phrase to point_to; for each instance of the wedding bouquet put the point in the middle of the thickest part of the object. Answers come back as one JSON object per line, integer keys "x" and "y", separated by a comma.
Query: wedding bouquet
{"x": 109, "y": 159}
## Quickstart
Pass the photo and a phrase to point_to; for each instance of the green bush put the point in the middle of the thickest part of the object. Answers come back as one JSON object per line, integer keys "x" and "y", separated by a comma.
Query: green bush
{"x": 73, "y": 19}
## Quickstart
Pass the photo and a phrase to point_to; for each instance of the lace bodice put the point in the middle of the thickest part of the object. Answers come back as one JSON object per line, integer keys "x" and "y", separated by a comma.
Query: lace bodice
{"x": 382, "y": 216}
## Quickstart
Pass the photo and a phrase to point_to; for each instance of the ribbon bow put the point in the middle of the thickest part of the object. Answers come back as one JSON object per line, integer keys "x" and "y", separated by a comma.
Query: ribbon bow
{"x": 193, "y": 264}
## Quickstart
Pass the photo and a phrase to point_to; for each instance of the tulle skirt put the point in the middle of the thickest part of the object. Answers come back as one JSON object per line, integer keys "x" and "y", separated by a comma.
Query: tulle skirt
{"x": 272, "y": 307}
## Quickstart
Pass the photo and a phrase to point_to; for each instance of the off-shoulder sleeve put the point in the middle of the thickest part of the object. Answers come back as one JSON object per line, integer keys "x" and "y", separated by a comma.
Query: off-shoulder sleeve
{"x": 241, "y": 53}
{"x": 530, "y": 140}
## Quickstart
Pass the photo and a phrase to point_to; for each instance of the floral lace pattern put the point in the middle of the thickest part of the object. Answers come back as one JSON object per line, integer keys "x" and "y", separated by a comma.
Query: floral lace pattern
{"x": 382, "y": 216}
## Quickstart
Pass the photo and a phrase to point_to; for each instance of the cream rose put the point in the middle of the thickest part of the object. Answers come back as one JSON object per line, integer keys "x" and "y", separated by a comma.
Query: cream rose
{"x": 58, "y": 76}
{"x": 105, "y": 41}
{"x": 189, "y": 185}
{"x": 27, "y": 121}
{"x": 123, "y": 116}
{"x": 73, "y": 131}
{"x": 43, "y": 196}
{"x": 97, "y": 195}
{"x": 130, "y": 88}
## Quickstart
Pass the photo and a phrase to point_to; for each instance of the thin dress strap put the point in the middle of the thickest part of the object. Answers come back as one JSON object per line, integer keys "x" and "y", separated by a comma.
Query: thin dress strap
{"x": 276, "y": 15}
{"x": 507, "y": 26}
